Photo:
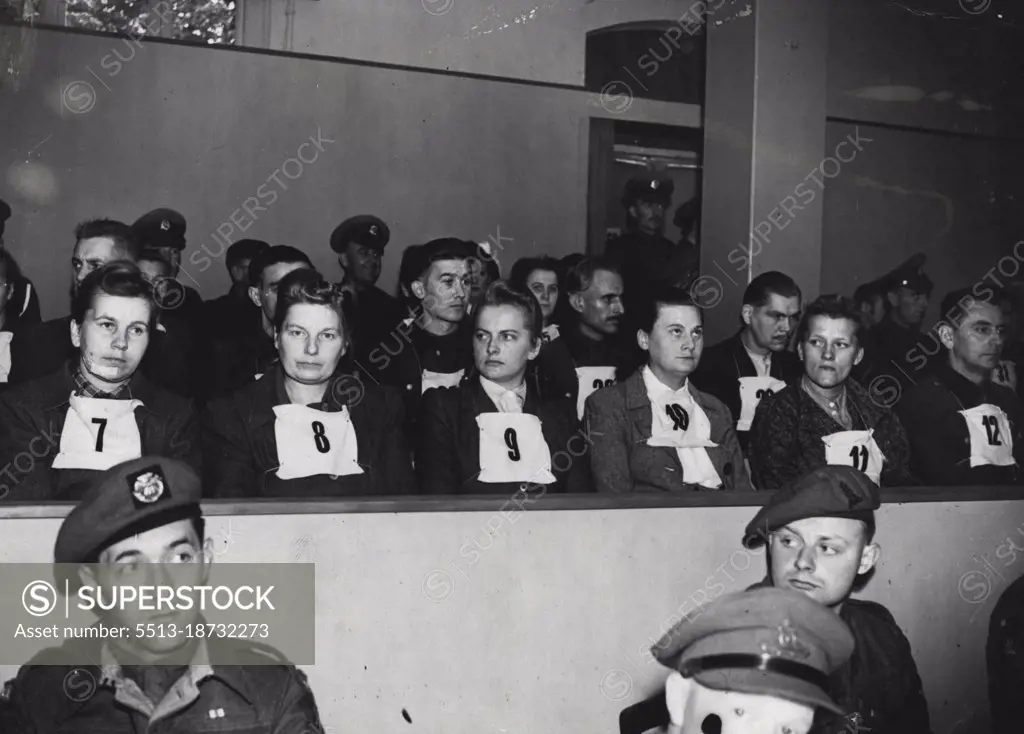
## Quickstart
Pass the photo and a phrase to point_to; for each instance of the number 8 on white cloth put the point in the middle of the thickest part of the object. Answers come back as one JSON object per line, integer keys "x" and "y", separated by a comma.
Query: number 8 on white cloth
{"x": 311, "y": 442}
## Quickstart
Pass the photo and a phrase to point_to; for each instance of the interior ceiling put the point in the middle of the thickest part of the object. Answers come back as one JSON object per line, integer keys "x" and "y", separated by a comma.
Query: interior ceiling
{"x": 1006, "y": 12}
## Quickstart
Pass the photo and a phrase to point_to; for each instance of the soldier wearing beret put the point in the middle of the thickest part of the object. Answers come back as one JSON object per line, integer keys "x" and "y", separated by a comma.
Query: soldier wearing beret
{"x": 894, "y": 348}
{"x": 22, "y": 297}
{"x": 359, "y": 243}
{"x": 819, "y": 531}
{"x": 964, "y": 429}
{"x": 99, "y": 409}
{"x": 144, "y": 512}
{"x": 164, "y": 230}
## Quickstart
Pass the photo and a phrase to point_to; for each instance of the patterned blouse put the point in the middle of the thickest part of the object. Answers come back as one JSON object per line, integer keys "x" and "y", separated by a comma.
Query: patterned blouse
{"x": 785, "y": 437}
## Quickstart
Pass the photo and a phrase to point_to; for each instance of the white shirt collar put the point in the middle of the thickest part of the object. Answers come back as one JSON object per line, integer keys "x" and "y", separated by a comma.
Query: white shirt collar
{"x": 495, "y": 391}
{"x": 656, "y": 388}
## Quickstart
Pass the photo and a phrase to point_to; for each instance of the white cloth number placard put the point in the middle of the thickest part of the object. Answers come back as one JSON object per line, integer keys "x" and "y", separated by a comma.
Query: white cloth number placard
{"x": 311, "y": 442}
{"x": 991, "y": 440}
{"x": 1005, "y": 374}
{"x": 752, "y": 389}
{"x": 512, "y": 449}
{"x": 98, "y": 433}
{"x": 5, "y": 354}
{"x": 857, "y": 449}
{"x": 680, "y": 423}
{"x": 592, "y": 379}
{"x": 430, "y": 380}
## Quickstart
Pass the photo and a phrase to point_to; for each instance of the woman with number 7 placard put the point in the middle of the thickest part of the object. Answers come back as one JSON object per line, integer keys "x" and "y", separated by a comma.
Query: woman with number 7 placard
{"x": 828, "y": 418}
{"x": 655, "y": 431}
{"x": 57, "y": 432}
{"x": 310, "y": 427}
{"x": 496, "y": 433}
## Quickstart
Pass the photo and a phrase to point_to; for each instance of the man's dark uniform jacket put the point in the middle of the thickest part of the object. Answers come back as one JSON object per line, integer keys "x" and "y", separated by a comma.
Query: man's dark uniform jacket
{"x": 900, "y": 353}
{"x": 939, "y": 438}
{"x": 1004, "y": 653}
{"x": 878, "y": 688}
{"x": 373, "y": 314}
{"x": 241, "y": 447}
{"x": 235, "y": 361}
{"x": 723, "y": 364}
{"x": 42, "y": 349}
{"x": 650, "y": 260}
{"x": 254, "y": 696}
{"x": 448, "y": 449}
{"x": 32, "y": 417}
{"x": 785, "y": 438}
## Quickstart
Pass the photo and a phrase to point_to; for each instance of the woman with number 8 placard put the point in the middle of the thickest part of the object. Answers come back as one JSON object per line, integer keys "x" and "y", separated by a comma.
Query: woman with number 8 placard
{"x": 655, "y": 431}
{"x": 828, "y": 418}
{"x": 496, "y": 433}
{"x": 309, "y": 427}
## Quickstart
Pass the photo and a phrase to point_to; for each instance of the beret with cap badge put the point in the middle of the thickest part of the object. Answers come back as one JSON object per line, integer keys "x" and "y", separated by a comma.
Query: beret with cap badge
{"x": 160, "y": 228}
{"x": 123, "y": 497}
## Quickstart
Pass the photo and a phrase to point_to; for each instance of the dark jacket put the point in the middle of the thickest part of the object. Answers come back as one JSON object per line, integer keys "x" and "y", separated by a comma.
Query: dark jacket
{"x": 235, "y": 361}
{"x": 241, "y": 446}
{"x": 24, "y": 303}
{"x": 374, "y": 315}
{"x": 32, "y": 421}
{"x": 723, "y": 364}
{"x": 43, "y": 349}
{"x": 1004, "y": 653}
{"x": 896, "y": 355}
{"x": 939, "y": 438}
{"x": 448, "y": 449}
{"x": 256, "y": 698}
{"x": 618, "y": 420}
{"x": 648, "y": 261}
{"x": 878, "y": 688}
{"x": 395, "y": 361}
{"x": 785, "y": 438}
{"x": 557, "y": 362}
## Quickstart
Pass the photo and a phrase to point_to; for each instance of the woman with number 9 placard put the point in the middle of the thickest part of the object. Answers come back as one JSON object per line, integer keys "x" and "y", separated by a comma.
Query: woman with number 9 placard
{"x": 496, "y": 433}
{"x": 828, "y": 418}
{"x": 309, "y": 427}
{"x": 656, "y": 432}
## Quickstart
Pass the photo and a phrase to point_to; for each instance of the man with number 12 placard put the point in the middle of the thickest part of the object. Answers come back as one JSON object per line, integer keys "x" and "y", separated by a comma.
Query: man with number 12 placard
{"x": 963, "y": 428}
{"x": 59, "y": 431}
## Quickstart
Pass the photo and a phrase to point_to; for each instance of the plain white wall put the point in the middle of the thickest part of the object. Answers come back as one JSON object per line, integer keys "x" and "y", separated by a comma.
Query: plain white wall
{"x": 542, "y": 623}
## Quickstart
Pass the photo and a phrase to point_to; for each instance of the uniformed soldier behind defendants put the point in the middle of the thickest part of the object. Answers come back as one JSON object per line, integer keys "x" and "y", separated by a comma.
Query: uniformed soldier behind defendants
{"x": 234, "y": 313}
{"x": 755, "y": 661}
{"x": 135, "y": 516}
{"x": 593, "y": 351}
{"x": 360, "y": 242}
{"x": 99, "y": 409}
{"x": 495, "y": 432}
{"x": 895, "y": 339}
{"x": 963, "y": 428}
{"x": 755, "y": 361}
{"x": 309, "y": 427}
{"x": 820, "y": 536}
{"x": 164, "y": 230}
